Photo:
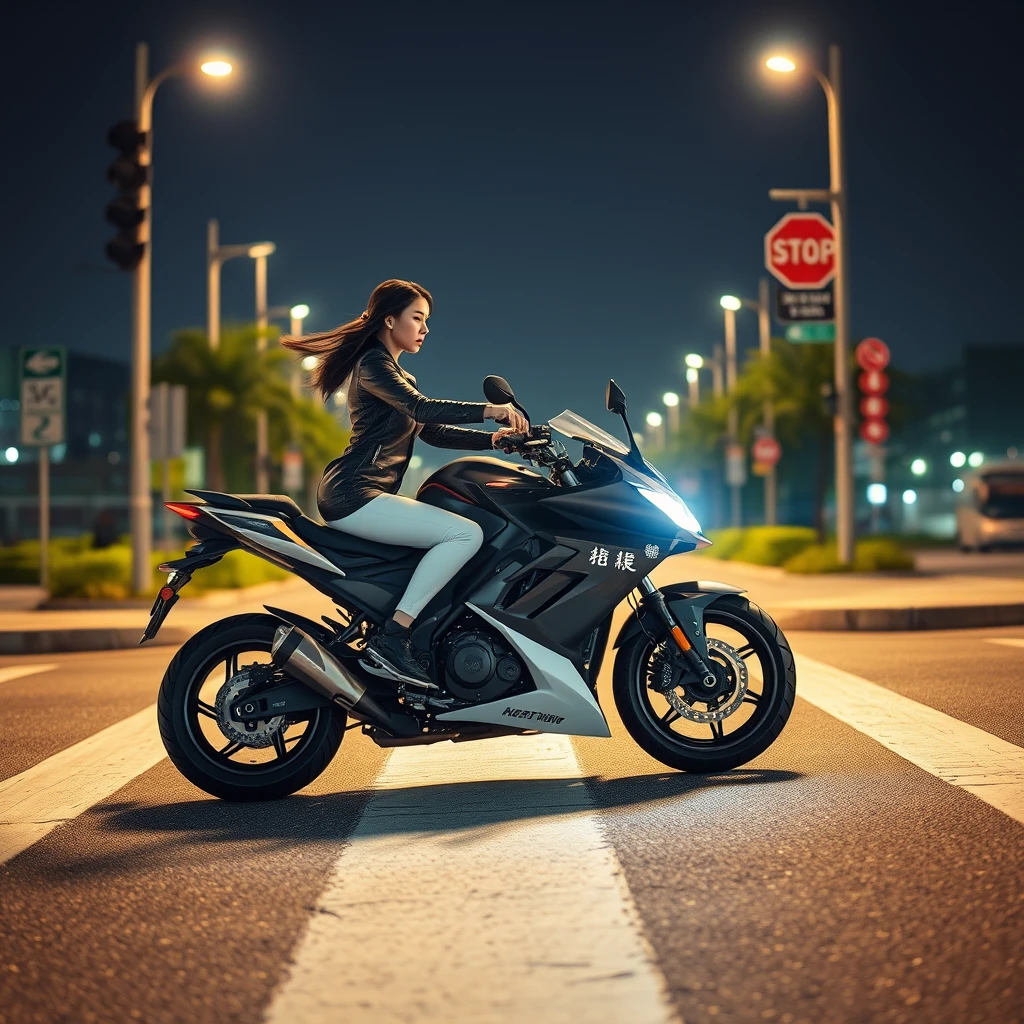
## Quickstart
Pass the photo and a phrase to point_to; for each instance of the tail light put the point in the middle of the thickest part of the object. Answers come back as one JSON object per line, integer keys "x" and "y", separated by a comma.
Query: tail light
{"x": 184, "y": 509}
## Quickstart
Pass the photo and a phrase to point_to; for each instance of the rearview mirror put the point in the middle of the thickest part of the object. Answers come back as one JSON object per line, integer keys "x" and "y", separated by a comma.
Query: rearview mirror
{"x": 614, "y": 399}
{"x": 497, "y": 390}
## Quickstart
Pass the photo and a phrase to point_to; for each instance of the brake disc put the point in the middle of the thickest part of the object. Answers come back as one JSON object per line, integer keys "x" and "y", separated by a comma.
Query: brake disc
{"x": 263, "y": 734}
{"x": 737, "y": 670}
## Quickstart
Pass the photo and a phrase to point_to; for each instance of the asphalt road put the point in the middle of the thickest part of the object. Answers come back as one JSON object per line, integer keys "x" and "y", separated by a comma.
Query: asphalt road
{"x": 829, "y": 880}
{"x": 999, "y": 562}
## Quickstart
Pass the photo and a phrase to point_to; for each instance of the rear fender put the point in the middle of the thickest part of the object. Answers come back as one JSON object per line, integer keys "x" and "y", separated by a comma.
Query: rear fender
{"x": 687, "y": 602}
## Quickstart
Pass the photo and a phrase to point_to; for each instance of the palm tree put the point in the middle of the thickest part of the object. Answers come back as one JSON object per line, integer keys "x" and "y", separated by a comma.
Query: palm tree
{"x": 797, "y": 379}
{"x": 227, "y": 386}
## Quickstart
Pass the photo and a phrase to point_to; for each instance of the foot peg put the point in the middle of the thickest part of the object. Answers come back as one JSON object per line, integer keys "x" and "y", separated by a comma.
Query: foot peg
{"x": 376, "y": 665}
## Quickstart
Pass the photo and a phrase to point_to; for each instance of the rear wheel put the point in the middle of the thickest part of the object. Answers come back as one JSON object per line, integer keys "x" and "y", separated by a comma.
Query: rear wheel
{"x": 667, "y": 712}
{"x": 225, "y": 758}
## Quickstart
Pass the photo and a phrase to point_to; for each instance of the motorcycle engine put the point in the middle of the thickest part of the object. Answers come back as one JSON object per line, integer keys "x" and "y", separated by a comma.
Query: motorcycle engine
{"x": 479, "y": 666}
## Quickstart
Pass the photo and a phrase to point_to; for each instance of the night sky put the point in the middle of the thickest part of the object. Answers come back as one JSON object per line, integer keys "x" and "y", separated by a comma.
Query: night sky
{"x": 575, "y": 183}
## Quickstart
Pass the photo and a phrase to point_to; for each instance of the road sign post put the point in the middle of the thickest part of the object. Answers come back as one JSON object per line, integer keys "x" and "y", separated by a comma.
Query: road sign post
{"x": 42, "y": 373}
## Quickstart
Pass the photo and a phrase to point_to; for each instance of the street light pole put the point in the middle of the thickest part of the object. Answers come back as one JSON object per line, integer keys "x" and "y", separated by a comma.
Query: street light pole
{"x": 262, "y": 455}
{"x": 140, "y": 501}
{"x": 735, "y": 488}
{"x": 836, "y": 196}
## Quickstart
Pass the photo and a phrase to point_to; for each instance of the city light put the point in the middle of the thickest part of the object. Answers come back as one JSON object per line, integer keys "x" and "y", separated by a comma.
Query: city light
{"x": 975, "y": 459}
{"x": 877, "y": 494}
{"x": 299, "y": 312}
{"x": 215, "y": 68}
{"x": 909, "y": 497}
{"x": 415, "y": 461}
{"x": 694, "y": 361}
{"x": 670, "y": 398}
{"x": 692, "y": 376}
{"x": 654, "y": 419}
{"x": 957, "y": 459}
{"x": 783, "y": 64}
{"x": 309, "y": 362}
{"x": 958, "y": 485}
{"x": 919, "y": 467}
{"x": 730, "y": 302}
{"x": 11, "y": 454}
{"x": 262, "y": 249}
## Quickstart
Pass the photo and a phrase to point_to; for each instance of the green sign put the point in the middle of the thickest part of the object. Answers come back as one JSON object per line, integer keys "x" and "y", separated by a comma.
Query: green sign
{"x": 43, "y": 373}
{"x": 811, "y": 332}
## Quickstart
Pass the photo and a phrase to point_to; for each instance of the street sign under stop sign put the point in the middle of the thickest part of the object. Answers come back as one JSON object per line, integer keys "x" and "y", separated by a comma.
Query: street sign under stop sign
{"x": 800, "y": 250}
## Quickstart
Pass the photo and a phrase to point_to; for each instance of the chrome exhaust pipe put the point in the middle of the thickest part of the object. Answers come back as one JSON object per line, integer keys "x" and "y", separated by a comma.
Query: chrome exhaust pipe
{"x": 304, "y": 659}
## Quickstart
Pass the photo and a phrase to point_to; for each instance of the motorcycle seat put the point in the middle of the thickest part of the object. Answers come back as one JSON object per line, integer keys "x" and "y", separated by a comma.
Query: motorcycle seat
{"x": 324, "y": 538}
{"x": 276, "y": 504}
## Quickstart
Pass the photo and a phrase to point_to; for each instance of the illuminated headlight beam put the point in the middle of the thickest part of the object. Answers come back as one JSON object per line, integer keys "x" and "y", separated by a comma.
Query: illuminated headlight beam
{"x": 675, "y": 508}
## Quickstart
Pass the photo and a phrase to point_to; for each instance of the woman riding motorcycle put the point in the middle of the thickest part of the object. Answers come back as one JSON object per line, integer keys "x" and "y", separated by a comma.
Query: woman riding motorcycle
{"x": 358, "y": 491}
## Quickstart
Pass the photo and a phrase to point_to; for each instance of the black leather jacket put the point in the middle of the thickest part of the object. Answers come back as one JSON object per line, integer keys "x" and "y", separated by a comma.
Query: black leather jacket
{"x": 388, "y": 414}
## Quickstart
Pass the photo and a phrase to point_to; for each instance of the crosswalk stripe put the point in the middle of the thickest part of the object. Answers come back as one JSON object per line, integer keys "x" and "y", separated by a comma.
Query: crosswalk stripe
{"x": 46, "y": 795}
{"x": 960, "y": 754}
{"x": 1007, "y": 641}
{"x": 478, "y": 886}
{"x": 18, "y": 671}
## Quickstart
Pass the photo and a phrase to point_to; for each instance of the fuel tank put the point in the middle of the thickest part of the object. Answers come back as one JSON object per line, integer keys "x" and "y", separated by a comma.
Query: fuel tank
{"x": 469, "y": 486}
{"x": 464, "y": 478}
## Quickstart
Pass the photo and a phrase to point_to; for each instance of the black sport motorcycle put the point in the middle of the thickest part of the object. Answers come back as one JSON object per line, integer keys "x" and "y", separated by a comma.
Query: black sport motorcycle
{"x": 254, "y": 707}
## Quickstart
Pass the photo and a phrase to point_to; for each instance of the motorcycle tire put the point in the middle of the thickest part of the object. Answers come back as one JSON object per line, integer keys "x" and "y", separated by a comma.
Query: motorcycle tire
{"x": 189, "y": 749}
{"x": 629, "y": 687}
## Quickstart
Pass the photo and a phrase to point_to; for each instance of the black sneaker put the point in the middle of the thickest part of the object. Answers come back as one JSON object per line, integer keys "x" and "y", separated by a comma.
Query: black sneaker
{"x": 392, "y": 646}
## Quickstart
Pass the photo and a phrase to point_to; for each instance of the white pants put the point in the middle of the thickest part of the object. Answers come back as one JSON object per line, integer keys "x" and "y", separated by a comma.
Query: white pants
{"x": 393, "y": 519}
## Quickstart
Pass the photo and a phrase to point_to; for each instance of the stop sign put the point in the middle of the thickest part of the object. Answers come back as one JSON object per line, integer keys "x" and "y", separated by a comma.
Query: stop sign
{"x": 800, "y": 250}
{"x": 767, "y": 450}
{"x": 874, "y": 431}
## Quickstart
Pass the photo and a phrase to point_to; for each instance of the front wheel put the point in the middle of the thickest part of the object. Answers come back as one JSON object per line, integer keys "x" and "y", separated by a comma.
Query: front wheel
{"x": 676, "y": 720}
{"x": 232, "y": 760}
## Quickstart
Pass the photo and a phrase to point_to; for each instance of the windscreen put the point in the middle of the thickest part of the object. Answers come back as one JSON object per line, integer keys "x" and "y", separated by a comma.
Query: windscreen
{"x": 1002, "y": 496}
{"x": 571, "y": 425}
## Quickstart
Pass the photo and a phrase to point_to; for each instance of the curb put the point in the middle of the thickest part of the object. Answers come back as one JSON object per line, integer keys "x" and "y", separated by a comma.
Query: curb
{"x": 65, "y": 641}
{"x": 829, "y": 620}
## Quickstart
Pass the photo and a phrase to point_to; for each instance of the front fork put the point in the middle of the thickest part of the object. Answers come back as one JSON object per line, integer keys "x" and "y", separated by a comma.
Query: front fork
{"x": 654, "y": 598}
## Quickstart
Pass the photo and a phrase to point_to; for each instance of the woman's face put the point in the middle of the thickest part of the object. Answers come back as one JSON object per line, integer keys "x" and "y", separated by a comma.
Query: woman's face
{"x": 409, "y": 330}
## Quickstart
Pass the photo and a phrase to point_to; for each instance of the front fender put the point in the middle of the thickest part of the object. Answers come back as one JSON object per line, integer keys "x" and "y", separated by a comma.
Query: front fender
{"x": 687, "y": 602}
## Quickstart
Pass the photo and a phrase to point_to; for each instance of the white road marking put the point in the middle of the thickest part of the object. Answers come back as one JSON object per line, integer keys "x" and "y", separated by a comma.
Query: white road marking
{"x": 960, "y": 754}
{"x": 18, "y": 671}
{"x": 63, "y": 786}
{"x": 1008, "y": 641}
{"x": 478, "y": 886}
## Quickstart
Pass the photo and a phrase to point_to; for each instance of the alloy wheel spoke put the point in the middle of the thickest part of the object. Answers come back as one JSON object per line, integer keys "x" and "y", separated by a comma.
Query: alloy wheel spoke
{"x": 746, "y": 651}
{"x": 717, "y": 732}
{"x": 206, "y": 709}
{"x": 278, "y": 741}
{"x": 670, "y": 716}
{"x": 751, "y": 698}
{"x": 232, "y": 748}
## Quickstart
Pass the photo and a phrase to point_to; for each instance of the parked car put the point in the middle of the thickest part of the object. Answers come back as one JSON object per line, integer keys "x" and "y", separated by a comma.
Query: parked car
{"x": 991, "y": 509}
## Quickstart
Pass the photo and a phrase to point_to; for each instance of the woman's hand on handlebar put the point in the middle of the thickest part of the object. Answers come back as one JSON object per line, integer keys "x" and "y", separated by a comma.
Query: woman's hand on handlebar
{"x": 509, "y": 414}
{"x": 505, "y": 432}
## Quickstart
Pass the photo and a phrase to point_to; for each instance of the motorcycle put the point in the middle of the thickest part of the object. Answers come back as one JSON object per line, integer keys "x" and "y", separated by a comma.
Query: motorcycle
{"x": 254, "y": 707}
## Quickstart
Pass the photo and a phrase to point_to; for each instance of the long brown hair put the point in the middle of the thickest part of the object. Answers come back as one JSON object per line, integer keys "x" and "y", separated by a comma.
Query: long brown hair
{"x": 337, "y": 351}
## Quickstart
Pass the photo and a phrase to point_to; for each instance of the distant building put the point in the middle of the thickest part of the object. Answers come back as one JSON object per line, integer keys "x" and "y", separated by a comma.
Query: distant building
{"x": 89, "y": 474}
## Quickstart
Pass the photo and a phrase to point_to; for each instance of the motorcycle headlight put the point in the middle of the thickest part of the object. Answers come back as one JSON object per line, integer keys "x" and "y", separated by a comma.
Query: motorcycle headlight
{"x": 675, "y": 508}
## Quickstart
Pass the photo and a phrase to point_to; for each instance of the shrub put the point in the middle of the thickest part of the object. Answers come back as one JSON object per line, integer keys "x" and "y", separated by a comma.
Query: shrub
{"x": 723, "y": 543}
{"x": 816, "y": 558}
{"x": 77, "y": 570}
{"x": 874, "y": 554}
{"x": 870, "y": 555}
{"x": 773, "y": 545}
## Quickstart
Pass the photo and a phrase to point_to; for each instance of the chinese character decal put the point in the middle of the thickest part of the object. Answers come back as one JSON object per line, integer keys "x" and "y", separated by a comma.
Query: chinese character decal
{"x": 599, "y": 556}
{"x": 652, "y": 551}
{"x": 624, "y": 561}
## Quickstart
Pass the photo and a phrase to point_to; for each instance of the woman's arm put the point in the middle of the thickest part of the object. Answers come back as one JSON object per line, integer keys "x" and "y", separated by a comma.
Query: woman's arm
{"x": 457, "y": 437}
{"x": 379, "y": 375}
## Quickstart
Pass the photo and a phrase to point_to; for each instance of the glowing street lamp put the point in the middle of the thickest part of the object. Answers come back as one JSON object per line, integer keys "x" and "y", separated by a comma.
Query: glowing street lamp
{"x": 655, "y": 422}
{"x": 919, "y": 467}
{"x": 140, "y": 501}
{"x": 783, "y": 64}
{"x": 694, "y": 361}
{"x": 671, "y": 402}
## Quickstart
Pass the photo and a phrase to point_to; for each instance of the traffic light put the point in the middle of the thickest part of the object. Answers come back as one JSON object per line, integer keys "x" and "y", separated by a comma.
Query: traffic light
{"x": 129, "y": 174}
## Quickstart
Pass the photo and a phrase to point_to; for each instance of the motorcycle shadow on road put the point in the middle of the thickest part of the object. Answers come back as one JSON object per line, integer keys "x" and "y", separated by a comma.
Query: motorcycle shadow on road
{"x": 141, "y": 835}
